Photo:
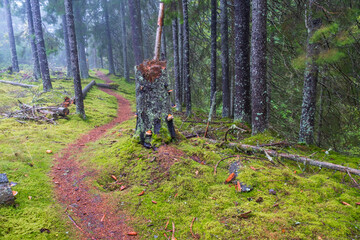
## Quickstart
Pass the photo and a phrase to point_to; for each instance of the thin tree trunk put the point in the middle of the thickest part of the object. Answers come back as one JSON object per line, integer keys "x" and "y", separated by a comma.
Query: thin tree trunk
{"x": 80, "y": 33}
{"x": 242, "y": 106}
{"x": 14, "y": 59}
{"x": 307, "y": 122}
{"x": 213, "y": 53}
{"x": 74, "y": 58}
{"x": 258, "y": 66}
{"x": 181, "y": 52}
{"x": 187, "y": 58}
{"x": 124, "y": 42}
{"x": 67, "y": 47}
{"x": 175, "y": 32}
{"x": 40, "y": 44}
{"x": 159, "y": 33}
{"x": 108, "y": 34}
{"x": 35, "y": 56}
{"x": 225, "y": 59}
{"x": 135, "y": 18}
{"x": 163, "y": 45}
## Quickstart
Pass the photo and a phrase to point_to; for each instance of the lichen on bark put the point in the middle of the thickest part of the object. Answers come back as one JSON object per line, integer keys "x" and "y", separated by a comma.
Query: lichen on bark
{"x": 152, "y": 105}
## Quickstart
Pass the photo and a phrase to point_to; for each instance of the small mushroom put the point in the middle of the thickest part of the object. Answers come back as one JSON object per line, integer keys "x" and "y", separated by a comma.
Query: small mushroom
{"x": 148, "y": 133}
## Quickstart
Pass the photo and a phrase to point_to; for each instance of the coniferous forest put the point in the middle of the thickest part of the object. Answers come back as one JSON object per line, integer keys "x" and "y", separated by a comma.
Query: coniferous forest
{"x": 179, "y": 119}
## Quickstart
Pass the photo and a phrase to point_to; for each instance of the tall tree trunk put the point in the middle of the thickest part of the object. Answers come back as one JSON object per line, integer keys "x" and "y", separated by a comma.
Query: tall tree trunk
{"x": 175, "y": 32}
{"x": 40, "y": 44}
{"x": 80, "y": 33}
{"x": 67, "y": 47}
{"x": 163, "y": 45}
{"x": 213, "y": 52}
{"x": 14, "y": 59}
{"x": 187, "y": 58}
{"x": 181, "y": 52}
{"x": 35, "y": 56}
{"x": 225, "y": 59}
{"x": 108, "y": 34}
{"x": 124, "y": 42}
{"x": 242, "y": 105}
{"x": 307, "y": 122}
{"x": 258, "y": 66}
{"x": 135, "y": 18}
{"x": 74, "y": 58}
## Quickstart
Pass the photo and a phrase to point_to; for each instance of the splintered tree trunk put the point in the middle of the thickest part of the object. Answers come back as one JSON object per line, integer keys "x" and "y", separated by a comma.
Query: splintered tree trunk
{"x": 307, "y": 122}
{"x": 35, "y": 56}
{"x": 213, "y": 52}
{"x": 225, "y": 59}
{"x": 124, "y": 42}
{"x": 74, "y": 58}
{"x": 135, "y": 18}
{"x": 67, "y": 47}
{"x": 153, "y": 94}
{"x": 14, "y": 59}
{"x": 242, "y": 105}
{"x": 187, "y": 58}
{"x": 108, "y": 34}
{"x": 80, "y": 33}
{"x": 40, "y": 44}
{"x": 258, "y": 66}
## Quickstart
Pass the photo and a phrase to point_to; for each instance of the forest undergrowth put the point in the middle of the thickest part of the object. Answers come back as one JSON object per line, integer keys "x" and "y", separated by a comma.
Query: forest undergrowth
{"x": 175, "y": 184}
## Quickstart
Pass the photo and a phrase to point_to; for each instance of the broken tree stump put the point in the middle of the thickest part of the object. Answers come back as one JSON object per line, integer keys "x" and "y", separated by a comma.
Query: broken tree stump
{"x": 6, "y": 195}
{"x": 152, "y": 101}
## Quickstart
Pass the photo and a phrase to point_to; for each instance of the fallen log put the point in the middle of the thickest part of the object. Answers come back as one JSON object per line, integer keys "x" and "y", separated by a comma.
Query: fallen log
{"x": 61, "y": 111}
{"x": 87, "y": 88}
{"x": 292, "y": 157}
{"x": 18, "y": 84}
{"x": 109, "y": 86}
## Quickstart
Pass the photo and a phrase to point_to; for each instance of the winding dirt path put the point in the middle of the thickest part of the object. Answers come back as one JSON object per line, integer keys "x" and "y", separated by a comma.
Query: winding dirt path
{"x": 94, "y": 213}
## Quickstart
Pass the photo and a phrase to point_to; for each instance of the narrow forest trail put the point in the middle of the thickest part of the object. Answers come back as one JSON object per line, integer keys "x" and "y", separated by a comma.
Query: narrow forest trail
{"x": 94, "y": 213}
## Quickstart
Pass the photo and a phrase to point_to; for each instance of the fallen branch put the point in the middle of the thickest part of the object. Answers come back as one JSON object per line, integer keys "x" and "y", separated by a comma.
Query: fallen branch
{"x": 173, "y": 232}
{"x": 87, "y": 88}
{"x": 18, "y": 84}
{"x": 217, "y": 164}
{"x": 356, "y": 184}
{"x": 233, "y": 128}
{"x": 284, "y": 144}
{"x": 109, "y": 86}
{"x": 293, "y": 157}
{"x": 196, "y": 236}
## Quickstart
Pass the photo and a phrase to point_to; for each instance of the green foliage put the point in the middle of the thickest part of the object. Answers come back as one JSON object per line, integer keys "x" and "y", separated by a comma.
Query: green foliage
{"x": 325, "y": 32}
{"x": 330, "y": 56}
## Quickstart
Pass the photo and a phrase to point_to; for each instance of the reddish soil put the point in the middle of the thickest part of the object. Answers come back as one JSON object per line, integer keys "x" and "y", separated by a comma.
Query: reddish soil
{"x": 94, "y": 214}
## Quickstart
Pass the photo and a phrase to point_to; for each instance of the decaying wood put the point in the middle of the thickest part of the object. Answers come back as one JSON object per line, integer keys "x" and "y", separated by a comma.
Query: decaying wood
{"x": 293, "y": 157}
{"x": 283, "y": 144}
{"x": 217, "y": 164}
{"x": 39, "y": 114}
{"x": 158, "y": 32}
{"x": 212, "y": 107}
{"x": 233, "y": 128}
{"x": 110, "y": 86}
{"x": 87, "y": 88}
{"x": 18, "y": 84}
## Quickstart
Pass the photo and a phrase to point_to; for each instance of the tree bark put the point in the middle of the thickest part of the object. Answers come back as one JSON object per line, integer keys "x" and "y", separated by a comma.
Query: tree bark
{"x": 35, "y": 56}
{"x": 18, "y": 84}
{"x": 242, "y": 101}
{"x": 163, "y": 45}
{"x": 108, "y": 34}
{"x": 181, "y": 52}
{"x": 152, "y": 101}
{"x": 124, "y": 42}
{"x": 67, "y": 47}
{"x": 80, "y": 28}
{"x": 225, "y": 59}
{"x": 258, "y": 66}
{"x": 187, "y": 58}
{"x": 40, "y": 44}
{"x": 74, "y": 59}
{"x": 307, "y": 122}
{"x": 176, "y": 64}
{"x": 87, "y": 88}
{"x": 213, "y": 52}
{"x": 158, "y": 33}
{"x": 14, "y": 59}
{"x": 135, "y": 18}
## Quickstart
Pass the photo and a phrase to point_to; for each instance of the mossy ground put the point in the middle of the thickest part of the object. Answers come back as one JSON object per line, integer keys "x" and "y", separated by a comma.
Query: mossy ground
{"x": 24, "y": 159}
{"x": 309, "y": 199}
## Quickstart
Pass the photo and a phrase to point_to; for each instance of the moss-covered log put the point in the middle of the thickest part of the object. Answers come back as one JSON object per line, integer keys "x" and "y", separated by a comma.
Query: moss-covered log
{"x": 152, "y": 101}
